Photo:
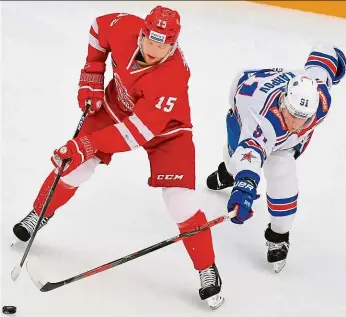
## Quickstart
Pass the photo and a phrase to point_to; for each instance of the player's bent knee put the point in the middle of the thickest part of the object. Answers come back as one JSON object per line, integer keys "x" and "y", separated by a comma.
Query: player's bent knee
{"x": 82, "y": 173}
{"x": 181, "y": 203}
{"x": 281, "y": 169}
{"x": 280, "y": 165}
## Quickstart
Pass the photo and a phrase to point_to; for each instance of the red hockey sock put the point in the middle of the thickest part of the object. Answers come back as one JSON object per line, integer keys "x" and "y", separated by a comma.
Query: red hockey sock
{"x": 62, "y": 194}
{"x": 199, "y": 246}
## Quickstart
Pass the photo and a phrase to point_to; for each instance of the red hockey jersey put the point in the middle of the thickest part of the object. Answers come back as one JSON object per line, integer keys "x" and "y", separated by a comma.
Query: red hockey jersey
{"x": 144, "y": 102}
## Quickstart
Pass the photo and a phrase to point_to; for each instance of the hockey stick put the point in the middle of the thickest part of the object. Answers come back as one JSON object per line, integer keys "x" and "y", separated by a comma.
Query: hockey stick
{"x": 16, "y": 271}
{"x": 44, "y": 286}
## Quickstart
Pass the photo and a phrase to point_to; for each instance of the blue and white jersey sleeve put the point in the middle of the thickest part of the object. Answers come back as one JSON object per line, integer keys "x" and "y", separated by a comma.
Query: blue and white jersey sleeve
{"x": 322, "y": 64}
{"x": 256, "y": 142}
{"x": 257, "y": 136}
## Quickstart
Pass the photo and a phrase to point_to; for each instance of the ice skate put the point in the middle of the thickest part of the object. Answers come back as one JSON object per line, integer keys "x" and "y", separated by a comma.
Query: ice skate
{"x": 220, "y": 179}
{"x": 211, "y": 287}
{"x": 278, "y": 246}
{"x": 24, "y": 229}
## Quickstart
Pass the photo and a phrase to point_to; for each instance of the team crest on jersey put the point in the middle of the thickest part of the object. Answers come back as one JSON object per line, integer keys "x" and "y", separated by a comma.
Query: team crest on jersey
{"x": 135, "y": 66}
{"x": 248, "y": 156}
{"x": 124, "y": 98}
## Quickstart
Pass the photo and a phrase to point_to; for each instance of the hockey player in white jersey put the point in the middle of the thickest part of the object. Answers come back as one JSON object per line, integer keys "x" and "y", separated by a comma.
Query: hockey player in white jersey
{"x": 272, "y": 116}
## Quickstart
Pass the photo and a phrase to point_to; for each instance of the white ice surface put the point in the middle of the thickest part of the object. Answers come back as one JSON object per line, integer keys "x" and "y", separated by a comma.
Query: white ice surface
{"x": 43, "y": 48}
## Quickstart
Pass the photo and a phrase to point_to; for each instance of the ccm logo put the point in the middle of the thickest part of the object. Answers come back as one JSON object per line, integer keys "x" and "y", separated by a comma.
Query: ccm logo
{"x": 243, "y": 185}
{"x": 169, "y": 177}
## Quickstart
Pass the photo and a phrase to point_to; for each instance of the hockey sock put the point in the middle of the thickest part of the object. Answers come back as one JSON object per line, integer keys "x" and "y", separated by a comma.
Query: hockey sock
{"x": 62, "y": 194}
{"x": 199, "y": 246}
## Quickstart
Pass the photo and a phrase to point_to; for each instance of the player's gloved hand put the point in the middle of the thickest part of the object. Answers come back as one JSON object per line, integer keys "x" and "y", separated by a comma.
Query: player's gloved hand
{"x": 243, "y": 194}
{"x": 340, "y": 72}
{"x": 91, "y": 86}
{"x": 76, "y": 151}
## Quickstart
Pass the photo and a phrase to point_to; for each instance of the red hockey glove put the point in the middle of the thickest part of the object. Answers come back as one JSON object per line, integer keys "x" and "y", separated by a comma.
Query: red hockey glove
{"x": 76, "y": 151}
{"x": 91, "y": 86}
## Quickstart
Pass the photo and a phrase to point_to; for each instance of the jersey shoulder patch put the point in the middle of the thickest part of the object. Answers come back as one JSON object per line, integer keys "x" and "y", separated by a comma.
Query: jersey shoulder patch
{"x": 325, "y": 101}
{"x": 273, "y": 114}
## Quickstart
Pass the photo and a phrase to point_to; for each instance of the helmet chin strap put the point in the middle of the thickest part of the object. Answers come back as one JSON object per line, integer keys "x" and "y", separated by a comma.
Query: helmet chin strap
{"x": 170, "y": 52}
{"x": 281, "y": 102}
{"x": 139, "y": 42}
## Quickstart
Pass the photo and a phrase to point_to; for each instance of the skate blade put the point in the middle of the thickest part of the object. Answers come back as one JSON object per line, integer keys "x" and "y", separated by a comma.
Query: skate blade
{"x": 278, "y": 266}
{"x": 17, "y": 244}
{"x": 215, "y": 301}
{"x": 13, "y": 243}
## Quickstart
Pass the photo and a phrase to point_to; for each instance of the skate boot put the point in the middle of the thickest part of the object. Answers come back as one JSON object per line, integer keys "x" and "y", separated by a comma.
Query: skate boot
{"x": 278, "y": 246}
{"x": 211, "y": 287}
{"x": 220, "y": 179}
{"x": 24, "y": 229}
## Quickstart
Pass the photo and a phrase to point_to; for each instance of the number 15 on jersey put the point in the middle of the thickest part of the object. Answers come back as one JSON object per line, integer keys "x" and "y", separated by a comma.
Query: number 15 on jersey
{"x": 168, "y": 105}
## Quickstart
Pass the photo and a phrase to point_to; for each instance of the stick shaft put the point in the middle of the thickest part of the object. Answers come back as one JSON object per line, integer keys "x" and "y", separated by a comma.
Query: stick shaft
{"x": 51, "y": 286}
{"x": 51, "y": 192}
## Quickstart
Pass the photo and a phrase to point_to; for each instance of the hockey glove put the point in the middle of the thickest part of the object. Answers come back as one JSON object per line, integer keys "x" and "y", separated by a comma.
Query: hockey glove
{"x": 76, "y": 151}
{"x": 91, "y": 86}
{"x": 243, "y": 194}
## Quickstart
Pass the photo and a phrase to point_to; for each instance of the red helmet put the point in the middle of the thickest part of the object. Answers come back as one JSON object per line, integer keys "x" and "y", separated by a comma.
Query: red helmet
{"x": 162, "y": 25}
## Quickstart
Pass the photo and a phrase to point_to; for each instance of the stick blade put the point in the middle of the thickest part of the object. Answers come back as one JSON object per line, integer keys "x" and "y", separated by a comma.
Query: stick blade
{"x": 50, "y": 286}
{"x": 34, "y": 276}
{"x": 39, "y": 281}
{"x": 15, "y": 272}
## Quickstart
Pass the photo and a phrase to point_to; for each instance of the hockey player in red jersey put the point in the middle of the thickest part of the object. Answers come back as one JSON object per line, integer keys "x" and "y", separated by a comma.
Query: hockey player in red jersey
{"x": 145, "y": 105}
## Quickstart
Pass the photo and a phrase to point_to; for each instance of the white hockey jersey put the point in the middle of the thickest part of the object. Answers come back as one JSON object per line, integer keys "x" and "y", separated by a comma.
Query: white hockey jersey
{"x": 254, "y": 100}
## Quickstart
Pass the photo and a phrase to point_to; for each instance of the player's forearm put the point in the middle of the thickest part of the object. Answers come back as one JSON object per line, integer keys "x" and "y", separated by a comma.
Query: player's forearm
{"x": 326, "y": 63}
{"x": 96, "y": 51}
{"x": 249, "y": 158}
